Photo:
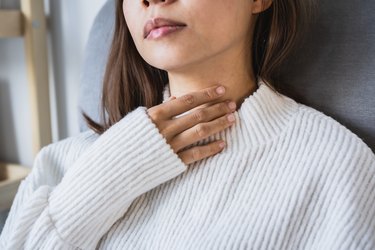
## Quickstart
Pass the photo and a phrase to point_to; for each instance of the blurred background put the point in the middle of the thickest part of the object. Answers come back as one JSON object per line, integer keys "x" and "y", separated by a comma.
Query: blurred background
{"x": 68, "y": 26}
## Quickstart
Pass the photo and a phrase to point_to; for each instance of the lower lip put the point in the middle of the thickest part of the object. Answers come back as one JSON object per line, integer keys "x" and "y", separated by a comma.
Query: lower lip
{"x": 163, "y": 31}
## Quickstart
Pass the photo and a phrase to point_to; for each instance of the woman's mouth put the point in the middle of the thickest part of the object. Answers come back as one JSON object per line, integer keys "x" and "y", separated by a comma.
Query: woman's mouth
{"x": 160, "y": 27}
{"x": 163, "y": 31}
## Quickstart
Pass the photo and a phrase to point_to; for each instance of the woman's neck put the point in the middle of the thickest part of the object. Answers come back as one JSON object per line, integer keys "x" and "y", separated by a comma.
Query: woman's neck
{"x": 232, "y": 70}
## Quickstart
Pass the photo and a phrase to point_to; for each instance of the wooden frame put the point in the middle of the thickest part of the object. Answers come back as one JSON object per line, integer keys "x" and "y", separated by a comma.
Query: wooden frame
{"x": 11, "y": 177}
{"x": 30, "y": 23}
{"x": 11, "y": 24}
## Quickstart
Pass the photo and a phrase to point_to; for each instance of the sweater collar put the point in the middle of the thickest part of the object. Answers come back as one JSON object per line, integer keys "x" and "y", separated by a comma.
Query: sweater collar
{"x": 262, "y": 117}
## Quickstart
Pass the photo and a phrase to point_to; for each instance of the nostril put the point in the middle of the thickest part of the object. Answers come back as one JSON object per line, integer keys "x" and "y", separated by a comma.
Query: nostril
{"x": 146, "y": 3}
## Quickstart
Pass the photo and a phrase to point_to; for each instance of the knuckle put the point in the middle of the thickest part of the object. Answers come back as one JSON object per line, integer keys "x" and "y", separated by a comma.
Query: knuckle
{"x": 150, "y": 111}
{"x": 155, "y": 113}
{"x": 188, "y": 99}
{"x": 201, "y": 130}
{"x": 199, "y": 116}
{"x": 209, "y": 93}
{"x": 196, "y": 154}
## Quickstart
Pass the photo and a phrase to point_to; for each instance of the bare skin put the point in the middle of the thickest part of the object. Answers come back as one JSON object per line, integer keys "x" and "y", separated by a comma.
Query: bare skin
{"x": 194, "y": 126}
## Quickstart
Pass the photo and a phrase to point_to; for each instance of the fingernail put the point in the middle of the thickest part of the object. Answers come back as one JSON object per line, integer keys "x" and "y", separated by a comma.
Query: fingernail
{"x": 220, "y": 90}
{"x": 232, "y": 105}
{"x": 231, "y": 118}
{"x": 222, "y": 144}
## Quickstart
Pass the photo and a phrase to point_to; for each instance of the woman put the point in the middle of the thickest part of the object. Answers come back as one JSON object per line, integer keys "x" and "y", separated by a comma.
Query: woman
{"x": 153, "y": 175}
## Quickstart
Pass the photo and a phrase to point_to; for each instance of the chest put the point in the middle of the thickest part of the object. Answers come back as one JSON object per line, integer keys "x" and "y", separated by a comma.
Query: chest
{"x": 223, "y": 203}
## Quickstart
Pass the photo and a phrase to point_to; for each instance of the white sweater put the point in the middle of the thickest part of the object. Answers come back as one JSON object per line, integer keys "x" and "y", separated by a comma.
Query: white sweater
{"x": 289, "y": 178}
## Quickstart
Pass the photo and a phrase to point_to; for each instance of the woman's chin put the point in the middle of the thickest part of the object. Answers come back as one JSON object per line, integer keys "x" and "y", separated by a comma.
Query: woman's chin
{"x": 169, "y": 65}
{"x": 168, "y": 60}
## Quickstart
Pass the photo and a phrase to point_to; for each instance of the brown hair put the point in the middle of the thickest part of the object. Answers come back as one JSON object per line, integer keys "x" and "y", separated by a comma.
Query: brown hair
{"x": 130, "y": 82}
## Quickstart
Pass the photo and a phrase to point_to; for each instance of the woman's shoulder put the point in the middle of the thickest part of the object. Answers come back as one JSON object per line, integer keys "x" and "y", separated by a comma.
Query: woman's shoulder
{"x": 329, "y": 133}
{"x": 54, "y": 159}
{"x": 72, "y": 144}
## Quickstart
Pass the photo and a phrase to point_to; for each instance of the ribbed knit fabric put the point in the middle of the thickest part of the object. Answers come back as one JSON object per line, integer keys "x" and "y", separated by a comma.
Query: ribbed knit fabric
{"x": 289, "y": 178}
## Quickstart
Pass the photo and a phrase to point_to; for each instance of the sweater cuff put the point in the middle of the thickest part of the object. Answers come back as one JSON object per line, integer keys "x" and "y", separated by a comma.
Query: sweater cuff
{"x": 129, "y": 159}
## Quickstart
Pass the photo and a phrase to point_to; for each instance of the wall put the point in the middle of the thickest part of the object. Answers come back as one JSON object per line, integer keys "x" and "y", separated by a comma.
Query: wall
{"x": 69, "y": 23}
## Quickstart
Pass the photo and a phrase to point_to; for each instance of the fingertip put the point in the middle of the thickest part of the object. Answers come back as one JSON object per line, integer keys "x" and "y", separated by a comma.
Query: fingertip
{"x": 222, "y": 144}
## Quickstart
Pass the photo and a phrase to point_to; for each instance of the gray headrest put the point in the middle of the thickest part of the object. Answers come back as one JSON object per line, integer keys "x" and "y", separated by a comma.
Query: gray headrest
{"x": 95, "y": 59}
{"x": 331, "y": 71}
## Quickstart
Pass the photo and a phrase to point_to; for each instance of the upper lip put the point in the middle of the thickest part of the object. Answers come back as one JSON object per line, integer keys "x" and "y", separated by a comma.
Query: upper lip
{"x": 159, "y": 22}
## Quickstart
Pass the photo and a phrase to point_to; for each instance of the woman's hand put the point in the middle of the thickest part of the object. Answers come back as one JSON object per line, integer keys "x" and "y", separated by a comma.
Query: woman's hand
{"x": 194, "y": 126}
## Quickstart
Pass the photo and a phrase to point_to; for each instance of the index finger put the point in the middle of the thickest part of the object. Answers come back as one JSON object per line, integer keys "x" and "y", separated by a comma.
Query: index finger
{"x": 191, "y": 100}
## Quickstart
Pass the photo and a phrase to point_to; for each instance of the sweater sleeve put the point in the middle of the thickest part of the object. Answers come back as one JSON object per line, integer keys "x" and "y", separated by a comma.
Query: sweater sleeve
{"x": 129, "y": 159}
